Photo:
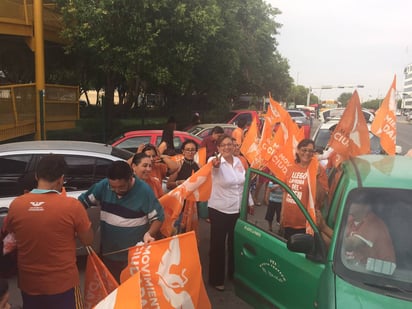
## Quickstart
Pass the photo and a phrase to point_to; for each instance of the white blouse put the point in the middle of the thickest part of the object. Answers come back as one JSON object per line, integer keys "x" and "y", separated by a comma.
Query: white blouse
{"x": 227, "y": 186}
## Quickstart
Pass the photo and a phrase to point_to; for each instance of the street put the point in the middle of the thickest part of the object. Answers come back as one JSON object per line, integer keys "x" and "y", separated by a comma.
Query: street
{"x": 219, "y": 300}
{"x": 227, "y": 298}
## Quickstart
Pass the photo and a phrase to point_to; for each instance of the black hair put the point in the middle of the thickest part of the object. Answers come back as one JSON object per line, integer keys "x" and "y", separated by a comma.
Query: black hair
{"x": 221, "y": 138}
{"x": 119, "y": 170}
{"x": 4, "y": 287}
{"x": 51, "y": 167}
{"x": 149, "y": 147}
{"x": 303, "y": 143}
{"x": 189, "y": 141}
{"x": 137, "y": 158}
{"x": 218, "y": 130}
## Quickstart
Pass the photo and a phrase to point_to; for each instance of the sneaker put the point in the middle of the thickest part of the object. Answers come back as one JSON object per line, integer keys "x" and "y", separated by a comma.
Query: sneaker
{"x": 220, "y": 288}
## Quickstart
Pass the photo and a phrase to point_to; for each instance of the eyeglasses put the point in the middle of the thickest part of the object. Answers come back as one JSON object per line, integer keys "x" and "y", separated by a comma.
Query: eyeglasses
{"x": 306, "y": 150}
{"x": 226, "y": 145}
{"x": 190, "y": 150}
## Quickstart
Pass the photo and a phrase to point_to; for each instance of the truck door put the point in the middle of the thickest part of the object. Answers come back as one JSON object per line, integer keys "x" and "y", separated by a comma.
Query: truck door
{"x": 267, "y": 273}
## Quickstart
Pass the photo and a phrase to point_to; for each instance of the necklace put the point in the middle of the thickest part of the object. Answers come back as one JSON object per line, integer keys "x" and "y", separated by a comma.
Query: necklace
{"x": 187, "y": 161}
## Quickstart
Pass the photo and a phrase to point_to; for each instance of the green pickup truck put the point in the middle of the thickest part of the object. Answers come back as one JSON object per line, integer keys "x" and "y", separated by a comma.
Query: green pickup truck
{"x": 367, "y": 263}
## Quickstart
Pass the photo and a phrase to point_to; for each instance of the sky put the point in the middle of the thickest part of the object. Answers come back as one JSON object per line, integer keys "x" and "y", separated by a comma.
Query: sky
{"x": 346, "y": 42}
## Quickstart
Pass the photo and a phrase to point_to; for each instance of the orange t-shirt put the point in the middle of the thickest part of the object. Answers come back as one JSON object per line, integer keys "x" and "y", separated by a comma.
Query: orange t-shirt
{"x": 156, "y": 186}
{"x": 238, "y": 135}
{"x": 45, "y": 225}
{"x": 297, "y": 180}
{"x": 159, "y": 171}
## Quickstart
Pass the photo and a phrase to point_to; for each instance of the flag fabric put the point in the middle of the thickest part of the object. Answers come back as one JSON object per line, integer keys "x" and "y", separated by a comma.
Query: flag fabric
{"x": 351, "y": 135}
{"x": 196, "y": 188}
{"x": 279, "y": 151}
{"x": 384, "y": 123}
{"x": 99, "y": 282}
{"x": 126, "y": 296}
{"x": 249, "y": 146}
{"x": 200, "y": 156}
{"x": 312, "y": 183}
{"x": 286, "y": 140}
{"x": 170, "y": 273}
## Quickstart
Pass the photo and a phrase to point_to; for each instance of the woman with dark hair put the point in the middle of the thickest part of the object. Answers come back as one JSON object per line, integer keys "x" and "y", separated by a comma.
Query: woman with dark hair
{"x": 228, "y": 177}
{"x": 162, "y": 165}
{"x": 166, "y": 145}
{"x": 188, "y": 218}
{"x": 292, "y": 219}
{"x": 142, "y": 168}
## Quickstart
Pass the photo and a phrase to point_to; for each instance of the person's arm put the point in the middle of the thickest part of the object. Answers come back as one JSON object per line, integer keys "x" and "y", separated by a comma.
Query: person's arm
{"x": 149, "y": 236}
{"x": 325, "y": 231}
{"x": 171, "y": 181}
{"x": 162, "y": 147}
{"x": 172, "y": 165}
{"x": 86, "y": 237}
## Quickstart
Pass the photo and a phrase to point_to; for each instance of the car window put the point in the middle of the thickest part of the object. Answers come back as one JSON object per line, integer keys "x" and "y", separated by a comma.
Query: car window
{"x": 267, "y": 216}
{"x": 12, "y": 170}
{"x": 84, "y": 171}
{"x": 204, "y": 133}
{"x": 133, "y": 143}
{"x": 375, "y": 247}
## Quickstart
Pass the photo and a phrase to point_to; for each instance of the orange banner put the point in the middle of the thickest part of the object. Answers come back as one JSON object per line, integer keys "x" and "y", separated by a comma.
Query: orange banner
{"x": 126, "y": 296}
{"x": 351, "y": 135}
{"x": 196, "y": 188}
{"x": 98, "y": 282}
{"x": 384, "y": 124}
{"x": 170, "y": 271}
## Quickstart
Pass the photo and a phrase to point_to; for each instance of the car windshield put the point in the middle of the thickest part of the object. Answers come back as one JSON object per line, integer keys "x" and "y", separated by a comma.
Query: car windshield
{"x": 374, "y": 244}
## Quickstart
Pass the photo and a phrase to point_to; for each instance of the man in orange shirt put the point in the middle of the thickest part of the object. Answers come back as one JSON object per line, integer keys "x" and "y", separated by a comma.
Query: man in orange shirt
{"x": 45, "y": 223}
{"x": 239, "y": 133}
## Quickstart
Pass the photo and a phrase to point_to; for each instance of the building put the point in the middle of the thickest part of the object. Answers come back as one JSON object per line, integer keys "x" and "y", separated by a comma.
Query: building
{"x": 407, "y": 88}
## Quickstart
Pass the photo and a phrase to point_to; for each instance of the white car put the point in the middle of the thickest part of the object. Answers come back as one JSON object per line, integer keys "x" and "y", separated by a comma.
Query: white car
{"x": 336, "y": 114}
{"x": 87, "y": 163}
{"x": 322, "y": 135}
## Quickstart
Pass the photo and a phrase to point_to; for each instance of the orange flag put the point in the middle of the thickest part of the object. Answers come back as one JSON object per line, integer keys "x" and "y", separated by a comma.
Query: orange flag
{"x": 384, "y": 124}
{"x": 200, "y": 156}
{"x": 249, "y": 146}
{"x": 170, "y": 271}
{"x": 312, "y": 175}
{"x": 351, "y": 135}
{"x": 126, "y": 296}
{"x": 286, "y": 140}
{"x": 196, "y": 188}
{"x": 98, "y": 282}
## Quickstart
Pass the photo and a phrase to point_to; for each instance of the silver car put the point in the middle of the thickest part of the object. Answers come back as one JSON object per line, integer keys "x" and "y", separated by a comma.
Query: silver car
{"x": 87, "y": 164}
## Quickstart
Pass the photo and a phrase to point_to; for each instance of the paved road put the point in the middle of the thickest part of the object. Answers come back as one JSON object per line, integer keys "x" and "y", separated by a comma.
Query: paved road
{"x": 219, "y": 300}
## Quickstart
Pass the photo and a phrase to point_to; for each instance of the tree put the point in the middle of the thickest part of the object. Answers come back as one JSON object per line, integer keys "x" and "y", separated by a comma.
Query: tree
{"x": 344, "y": 98}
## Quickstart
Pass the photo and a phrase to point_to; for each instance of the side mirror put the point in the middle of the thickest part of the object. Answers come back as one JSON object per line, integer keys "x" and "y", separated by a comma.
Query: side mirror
{"x": 302, "y": 243}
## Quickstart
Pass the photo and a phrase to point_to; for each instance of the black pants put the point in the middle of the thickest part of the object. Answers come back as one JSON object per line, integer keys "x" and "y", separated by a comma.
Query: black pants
{"x": 273, "y": 207}
{"x": 222, "y": 228}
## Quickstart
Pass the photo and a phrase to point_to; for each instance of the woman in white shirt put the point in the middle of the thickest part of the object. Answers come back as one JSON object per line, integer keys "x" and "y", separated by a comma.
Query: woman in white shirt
{"x": 228, "y": 177}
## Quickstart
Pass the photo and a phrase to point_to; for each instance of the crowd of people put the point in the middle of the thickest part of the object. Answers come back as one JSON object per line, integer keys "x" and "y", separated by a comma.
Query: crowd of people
{"x": 46, "y": 222}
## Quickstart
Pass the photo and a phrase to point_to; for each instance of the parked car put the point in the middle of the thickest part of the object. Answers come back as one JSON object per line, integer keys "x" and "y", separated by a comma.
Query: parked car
{"x": 336, "y": 114}
{"x": 87, "y": 164}
{"x": 302, "y": 120}
{"x": 133, "y": 139}
{"x": 323, "y": 132}
{"x": 306, "y": 272}
{"x": 234, "y": 116}
{"x": 203, "y": 130}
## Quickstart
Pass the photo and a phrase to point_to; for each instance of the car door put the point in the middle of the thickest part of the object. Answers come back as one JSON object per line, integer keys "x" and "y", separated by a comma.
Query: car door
{"x": 267, "y": 274}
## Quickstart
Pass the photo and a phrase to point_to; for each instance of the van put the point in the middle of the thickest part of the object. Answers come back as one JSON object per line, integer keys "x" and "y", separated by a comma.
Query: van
{"x": 306, "y": 271}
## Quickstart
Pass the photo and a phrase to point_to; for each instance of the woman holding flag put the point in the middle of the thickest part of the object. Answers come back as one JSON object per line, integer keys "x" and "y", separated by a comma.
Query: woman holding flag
{"x": 302, "y": 177}
{"x": 188, "y": 219}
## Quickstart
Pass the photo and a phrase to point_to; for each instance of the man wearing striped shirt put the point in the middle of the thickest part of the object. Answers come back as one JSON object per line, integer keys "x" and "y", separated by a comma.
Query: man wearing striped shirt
{"x": 130, "y": 213}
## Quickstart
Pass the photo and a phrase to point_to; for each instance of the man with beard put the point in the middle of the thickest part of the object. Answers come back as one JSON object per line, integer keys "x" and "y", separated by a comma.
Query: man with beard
{"x": 130, "y": 213}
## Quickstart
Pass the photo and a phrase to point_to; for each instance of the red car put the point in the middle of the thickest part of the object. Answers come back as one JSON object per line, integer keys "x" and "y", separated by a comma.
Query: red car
{"x": 132, "y": 139}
